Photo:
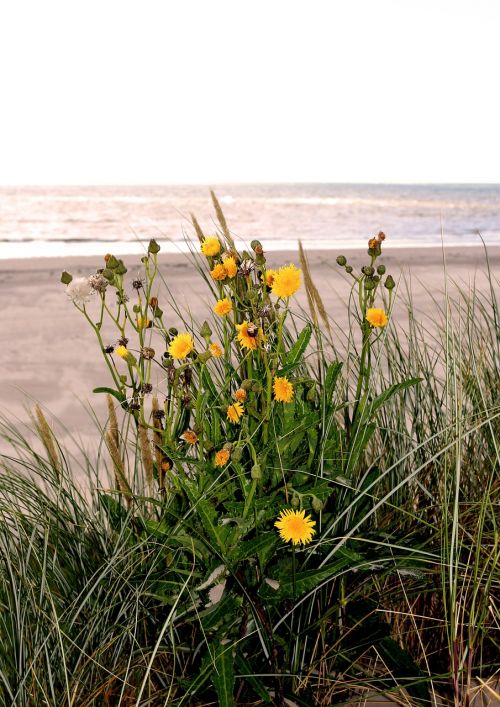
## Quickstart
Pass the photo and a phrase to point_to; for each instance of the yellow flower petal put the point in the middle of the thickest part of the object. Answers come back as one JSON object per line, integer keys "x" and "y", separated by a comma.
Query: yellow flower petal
{"x": 295, "y": 527}
{"x": 286, "y": 281}
{"x": 283, "y": 390}
{"x": 181, "y": 346}
{"x": 377, "y": 317}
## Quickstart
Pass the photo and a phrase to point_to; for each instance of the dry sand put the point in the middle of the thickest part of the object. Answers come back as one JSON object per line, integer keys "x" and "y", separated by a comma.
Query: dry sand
{"x": 48, "y": 352}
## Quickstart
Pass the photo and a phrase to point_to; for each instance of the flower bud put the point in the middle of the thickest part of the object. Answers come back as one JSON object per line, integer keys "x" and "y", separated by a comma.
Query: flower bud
{"x": 348, "y": 269}
{"x": 108, "y": 274}
{"x": 66, "y": 278}
{"x": 341, "y": 260}
{"x": 153, "y": 247}
{"x": 317, "y": 504}
{"x": 247, "y": 384}
{"x": 367, "y": 270}
{"x": 257, "y": 387}
{"x": 120, "y": 268}
{"x": 237, "y": 454}
{"x": 111, "y": 262}
{"x": 173, "y": 331}
{"x": 389, "y": 282}
{"x": 208, "y": 445}
{"x": 311, "y": 395}
{"x": 256, "y": 472}
{"x": 256, "y": 246}
{"x": 205, "y": 330}
{"x": 381, "y": 269}
{"x": 295, "y": 502}
{"x": 153, "y": 302}
{"x": 370, "y": 283}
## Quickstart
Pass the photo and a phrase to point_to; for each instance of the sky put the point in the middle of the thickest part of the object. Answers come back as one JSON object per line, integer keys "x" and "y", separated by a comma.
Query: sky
{"x": 219, "y": 91}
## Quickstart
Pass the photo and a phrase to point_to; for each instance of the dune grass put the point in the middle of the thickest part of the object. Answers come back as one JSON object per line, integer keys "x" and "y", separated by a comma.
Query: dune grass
{"x": 163, "y": 579}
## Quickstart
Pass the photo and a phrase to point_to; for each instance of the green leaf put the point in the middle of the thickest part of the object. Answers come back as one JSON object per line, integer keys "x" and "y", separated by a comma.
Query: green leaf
{"x": 372, "y": 407}
{"x": 66, "y": 278}
{"x": 304, "y": 581}
{"x": 257, "y": 685}
{"x": 260, "y": 547}
{"x": 110, "y": 391}
{"x": 224, "y": 612}
{"x": 294, "y": 356}
{"x": 331, "y": 377}
{"x": 361, "y": 437}
{"x": 223, "y": 674}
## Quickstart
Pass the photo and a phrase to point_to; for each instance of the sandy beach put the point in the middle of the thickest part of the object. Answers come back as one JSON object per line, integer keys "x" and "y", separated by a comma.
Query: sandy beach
{"x": 49, "y": 353}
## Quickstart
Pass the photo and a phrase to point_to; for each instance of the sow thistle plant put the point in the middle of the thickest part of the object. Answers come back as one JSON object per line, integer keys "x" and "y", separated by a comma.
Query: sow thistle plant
{"x": 250, "y": 456}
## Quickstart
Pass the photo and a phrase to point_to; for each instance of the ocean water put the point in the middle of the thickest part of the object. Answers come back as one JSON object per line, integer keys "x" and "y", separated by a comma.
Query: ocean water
{"x": 67, "y": 221}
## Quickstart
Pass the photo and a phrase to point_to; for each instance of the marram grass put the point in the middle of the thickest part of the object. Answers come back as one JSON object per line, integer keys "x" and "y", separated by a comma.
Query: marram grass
{"x": 334, "y": 534}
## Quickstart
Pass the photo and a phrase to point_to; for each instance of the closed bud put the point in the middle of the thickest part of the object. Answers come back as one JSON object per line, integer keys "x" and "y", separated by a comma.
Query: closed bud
{"x": 256, "y": 246}
{"x": 66, "y": 278}
{"x": 111, "y": 262}
{"x": 341, "y": 260}
{"x": 136, "y": 308}
{"x": 367, "y": 270}
{"x": 153, "y": 247}
{"x": 295, "y": 502}
{"x": 153, "y": 302}
{"x": 317, "y": 504}
{"x": 381, "y": 269}
{"x": 108, "y": 274}
{"x": 348, "y": 269}
{"x": 311, "y": 395}
{"x": 370, "y": 283}
{"x": 205, "y": 330}
{"x": 247, "y": 384}
{"x": 208, "y": 445}
{"x": 257, "y": 387}
{"x": 120, "y": 268}
{"x": 237, "y": 454}
{"x": 173, "y": 331}
{"x": 256, "y": 472}
{"x": 389, "y": 282}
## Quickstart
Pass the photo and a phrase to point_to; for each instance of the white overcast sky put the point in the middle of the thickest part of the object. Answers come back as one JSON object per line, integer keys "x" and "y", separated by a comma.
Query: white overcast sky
{"x": 164, "y": 91}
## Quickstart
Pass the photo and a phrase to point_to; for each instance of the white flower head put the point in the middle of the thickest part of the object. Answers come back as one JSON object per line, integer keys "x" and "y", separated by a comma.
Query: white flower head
{"x": 98, "y": 282}
{"x": 79, "y": 290}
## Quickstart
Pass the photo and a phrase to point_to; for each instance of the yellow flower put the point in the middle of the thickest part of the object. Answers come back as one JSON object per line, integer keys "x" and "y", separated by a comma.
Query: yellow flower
{"x": 122, "y": 352}
{"x": 269, "y": 277}
{"x": 142, "y": 322}
{"x": 235, "y": 412}
{"x": 230, "y": 266}
{"x": 249, "y": 336}
{"x": 286, "y": 281}
{"x": 223, "y": 307}
{"x": 181, "y": 345}
{"x": 210, "y": 246}
{"x": 189, "y": 436}
{"x": 219, "y": 272}
{"x": 283, "y": 390}
{"x": 222, "y": 457}
{"x": 295, "y": 527}
{"x": 240, "y": 395}
{"x": 377, "y": 317}
{"x": 215, "y": 350}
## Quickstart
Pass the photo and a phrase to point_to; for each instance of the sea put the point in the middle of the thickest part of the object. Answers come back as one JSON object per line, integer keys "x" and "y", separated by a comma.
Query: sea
{"x": 92, "y": 220}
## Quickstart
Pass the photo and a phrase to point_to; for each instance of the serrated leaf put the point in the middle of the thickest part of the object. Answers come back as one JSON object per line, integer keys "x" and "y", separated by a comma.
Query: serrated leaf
{"x": 260, "y": 547}
{"x": 380, "y": 400}
{"x": 331, "y": 377}
{"x": 255, "y": 683}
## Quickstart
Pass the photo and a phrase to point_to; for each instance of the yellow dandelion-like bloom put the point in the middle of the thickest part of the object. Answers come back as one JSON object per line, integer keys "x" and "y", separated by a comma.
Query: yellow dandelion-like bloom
{"x": 142, "y": 322}
{"x": 269, "y": 277}
{"x": 222, "y": 457}
{"x": 181, "y": 345}
{"x": 286, "y": 281}
{"x": 189, "y": 436}
{"x": 377, "y": 317}
{"x": 223, "y": 307}
{"x": 249, "y": 335}
{"x": 215, "y": 350}
{"x": 122, "y": 352}
{"x": 210, "y": 246}
{"x": 230, "y": 266}
{"x": 240, "y": 395}
{"x": 295, "y": 527}
{"x": 283, "y": 390}
{"x": 235, "y": 412}
{"x": 219, "y": 272}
